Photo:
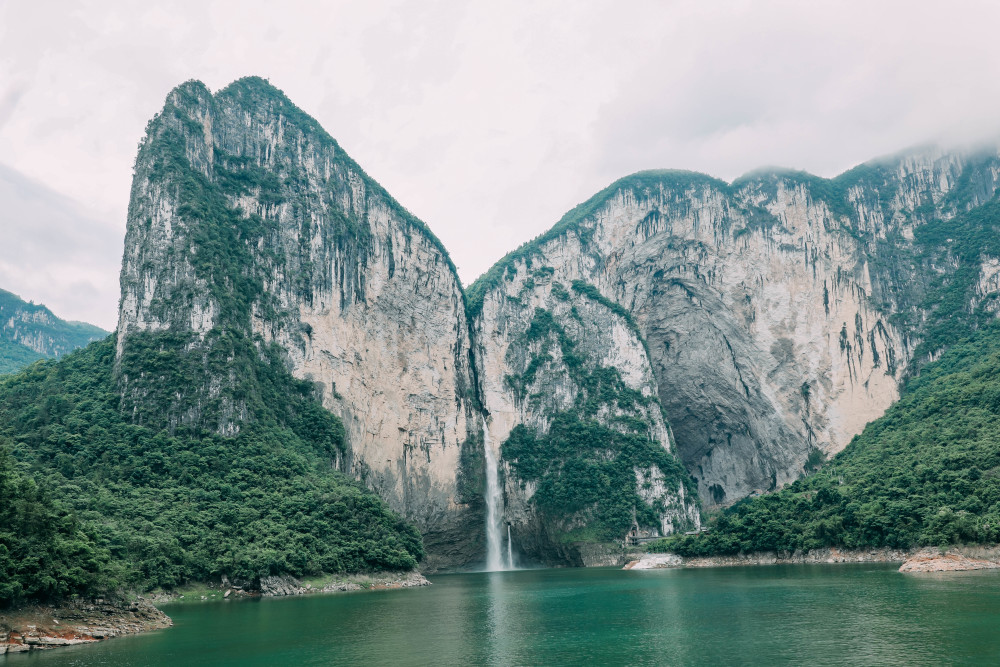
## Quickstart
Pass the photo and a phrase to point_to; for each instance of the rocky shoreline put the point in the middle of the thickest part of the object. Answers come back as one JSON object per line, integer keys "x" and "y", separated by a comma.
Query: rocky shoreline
{"x": 282, "y": 586}
{"x": 85, "y": 622}
{"x": 953, "y": 560}
{"x": 931, "y": 559}
{"x": 78, "y": 622}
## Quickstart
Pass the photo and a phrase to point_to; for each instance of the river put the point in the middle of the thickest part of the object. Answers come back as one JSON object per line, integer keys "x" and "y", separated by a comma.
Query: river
{"x": 785, "y": 614}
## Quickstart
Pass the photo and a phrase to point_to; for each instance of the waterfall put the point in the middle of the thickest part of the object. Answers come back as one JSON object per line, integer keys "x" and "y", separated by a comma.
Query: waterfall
{"x": 494, "y": 500}
{"x": 510, "y": 551}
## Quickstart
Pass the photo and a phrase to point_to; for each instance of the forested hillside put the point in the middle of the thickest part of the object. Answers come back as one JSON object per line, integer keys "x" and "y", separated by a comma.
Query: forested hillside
{"x": 98, "y": 504}
{"x": 29, "y": 332}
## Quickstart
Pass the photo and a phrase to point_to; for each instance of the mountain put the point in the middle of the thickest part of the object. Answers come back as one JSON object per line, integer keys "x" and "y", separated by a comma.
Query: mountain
{"x": 780, "y": 312}
{"x": 299, "y": 384}
{"x": 29, "y": 332}
{"x": 926, "y": 473}
{"x": 249, "y": 228}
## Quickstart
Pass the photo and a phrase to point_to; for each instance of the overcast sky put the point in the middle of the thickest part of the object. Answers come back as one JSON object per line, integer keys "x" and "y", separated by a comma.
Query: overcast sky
{"x": 488, "y": 120}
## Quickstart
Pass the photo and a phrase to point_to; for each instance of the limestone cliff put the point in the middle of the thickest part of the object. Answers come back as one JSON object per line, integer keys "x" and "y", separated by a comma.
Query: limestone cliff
{"x": 30, "y": 331}
{"x": 780, "y": 311}
{"x": 251, "y": 232}
{"x": 573, "y": 402}
{"x": 750, "y": 329}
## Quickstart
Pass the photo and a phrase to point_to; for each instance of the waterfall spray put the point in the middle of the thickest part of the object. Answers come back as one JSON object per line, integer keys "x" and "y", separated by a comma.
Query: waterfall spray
{"x": 494, "y": 500}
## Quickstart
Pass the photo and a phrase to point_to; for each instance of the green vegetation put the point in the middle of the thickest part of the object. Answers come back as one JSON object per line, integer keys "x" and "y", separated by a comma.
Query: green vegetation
{"x": 166, "y": 509}
{"x": 584, "y": 464}
{"x": 961, "y": 241}
{"x": 926, "y": 473}
{"x": 20, "y": 320}
{"x": 44, "y": 554}
{"x": 14, "y": 356}
{"x": 587, "y": 470}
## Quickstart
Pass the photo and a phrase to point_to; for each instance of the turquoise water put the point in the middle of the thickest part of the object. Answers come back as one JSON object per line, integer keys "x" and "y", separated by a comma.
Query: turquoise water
{"x": 801, "y": 614}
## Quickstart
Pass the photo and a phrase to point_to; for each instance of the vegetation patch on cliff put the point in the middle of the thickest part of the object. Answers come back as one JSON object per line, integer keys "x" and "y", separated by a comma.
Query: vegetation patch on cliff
{"x": 585, "y": 472}
{"x": 584, "y": 464}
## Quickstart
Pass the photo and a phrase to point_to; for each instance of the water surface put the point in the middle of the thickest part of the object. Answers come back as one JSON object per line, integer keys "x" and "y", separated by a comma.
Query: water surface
{"x": 791, "y": 614}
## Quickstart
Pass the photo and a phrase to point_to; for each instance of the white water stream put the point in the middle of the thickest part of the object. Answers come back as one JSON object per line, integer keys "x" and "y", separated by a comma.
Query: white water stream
{"x": 494, "y": 511}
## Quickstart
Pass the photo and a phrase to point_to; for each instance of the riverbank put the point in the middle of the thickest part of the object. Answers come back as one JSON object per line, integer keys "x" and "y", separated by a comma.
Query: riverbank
{"x": 953, "y": 559}
{"x": 84, "y": 622}
{"x": 340, "y": 583}
{"x": 78, "y": 622}
{"x": 972, "y": 557}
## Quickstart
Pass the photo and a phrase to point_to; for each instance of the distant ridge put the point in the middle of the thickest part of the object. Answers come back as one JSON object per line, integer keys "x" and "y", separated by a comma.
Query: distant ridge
{"x": 29, "y": 332}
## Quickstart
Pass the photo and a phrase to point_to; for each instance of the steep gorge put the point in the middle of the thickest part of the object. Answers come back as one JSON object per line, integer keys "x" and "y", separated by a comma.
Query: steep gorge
{"x": 748, "y": 329}
{"x": 780, "y": 311}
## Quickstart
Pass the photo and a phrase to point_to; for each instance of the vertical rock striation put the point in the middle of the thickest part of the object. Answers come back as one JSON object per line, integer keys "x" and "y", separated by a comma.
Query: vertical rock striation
{"x": 750, "y": 329}
{"x": 251, "y": 233}
{"x": 572, "y": 398}
{"x": 780, "y": 311}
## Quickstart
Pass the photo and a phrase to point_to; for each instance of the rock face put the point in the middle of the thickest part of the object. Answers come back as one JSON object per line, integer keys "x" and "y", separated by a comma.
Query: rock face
{"x": 654, "y": 562}
{"x": 932, "y": 560}
{"x": 560, "y": 360}
{"x": 76, "y": 622}
{"x": 284, "y": 586}
{"x": 750, "y": 329}
{"x": 831, "y": 555}
{"x": 769, "y": 306}
{"x": 250, "y": 230}
{"x": 29, "y": 332}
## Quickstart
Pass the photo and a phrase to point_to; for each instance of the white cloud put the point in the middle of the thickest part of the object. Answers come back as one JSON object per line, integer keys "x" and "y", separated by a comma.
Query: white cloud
{"x": 490, "y": 120}
{"x": 52, "y": 253}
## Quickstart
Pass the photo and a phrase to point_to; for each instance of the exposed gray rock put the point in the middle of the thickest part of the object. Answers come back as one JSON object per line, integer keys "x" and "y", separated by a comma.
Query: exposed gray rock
{"x": 767, "y": 305}
{"x": 544, "y": 344}
{"x": 245, "y": 215}
{"x": 280, "y": 586}
{"x": 654, "y": 562}
{"x": 30, "y": 331}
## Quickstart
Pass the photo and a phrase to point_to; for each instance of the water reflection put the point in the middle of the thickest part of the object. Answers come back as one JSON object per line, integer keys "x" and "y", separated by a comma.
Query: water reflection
{"x": 501, "y": 634}
{"x": 796, "y": 614}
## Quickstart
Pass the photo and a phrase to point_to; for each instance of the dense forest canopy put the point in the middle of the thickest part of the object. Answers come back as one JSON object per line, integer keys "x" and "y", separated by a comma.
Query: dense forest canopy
{"x": 96, "y": 503}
